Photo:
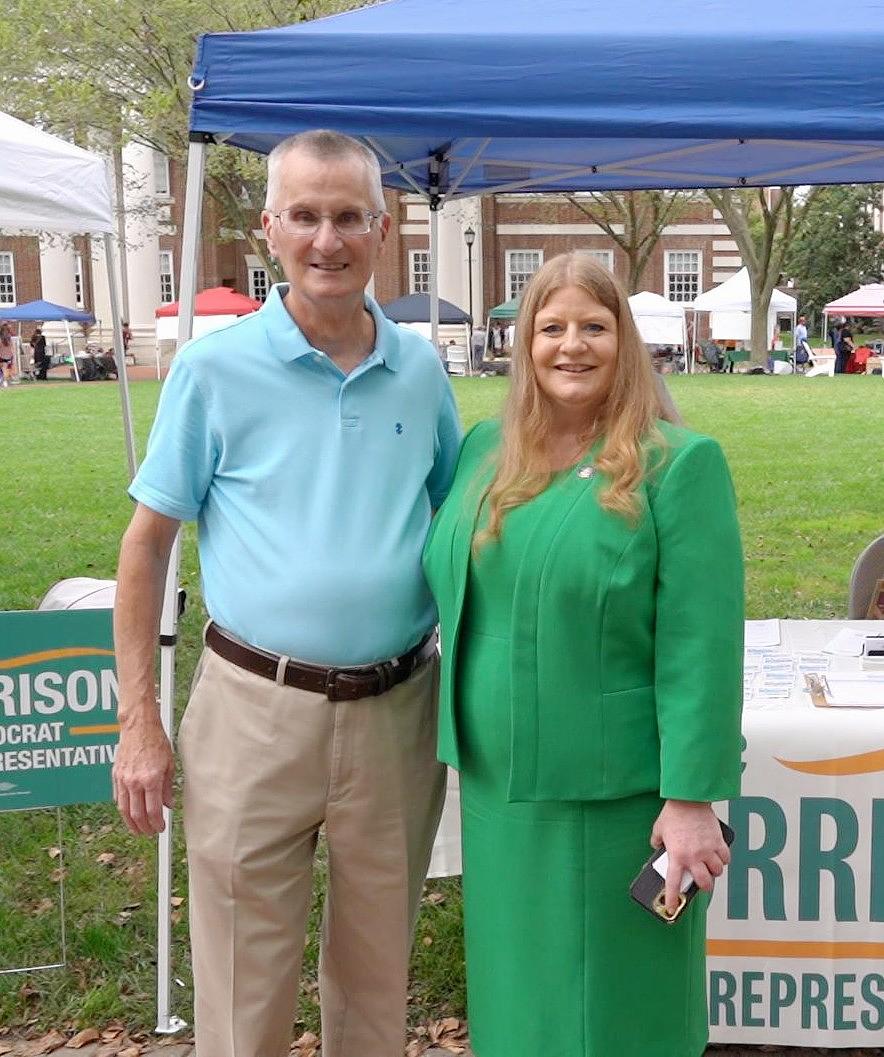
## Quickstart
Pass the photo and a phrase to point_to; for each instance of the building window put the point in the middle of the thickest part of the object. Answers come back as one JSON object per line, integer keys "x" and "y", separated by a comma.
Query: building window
{"x": 167, "y": 277}
{"x": 7, "y": 279}
{"x": 78, "y": 280}
{"x": 520, "y": 266}
{"x": 604, "y": 257}
{"x": 160, "y": 174}
{"x": 259, "y": 286}
{"x": 418, "y": 271}
{"x": 684, "y": 270}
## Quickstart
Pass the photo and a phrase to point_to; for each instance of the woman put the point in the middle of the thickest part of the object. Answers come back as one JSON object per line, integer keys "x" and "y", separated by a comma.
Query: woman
{"x": 7, "y": 354}
{"x": 589, "y": 578}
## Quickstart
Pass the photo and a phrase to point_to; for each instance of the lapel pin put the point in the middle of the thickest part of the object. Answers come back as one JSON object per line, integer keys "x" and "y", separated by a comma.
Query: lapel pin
{"x": 586, "y": 472}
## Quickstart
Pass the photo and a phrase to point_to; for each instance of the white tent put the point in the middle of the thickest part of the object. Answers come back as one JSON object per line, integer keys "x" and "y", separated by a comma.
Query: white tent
{"x": 730, "y": 308}
{"x": 659, "y": 321}
{"x": 47, "y": 184}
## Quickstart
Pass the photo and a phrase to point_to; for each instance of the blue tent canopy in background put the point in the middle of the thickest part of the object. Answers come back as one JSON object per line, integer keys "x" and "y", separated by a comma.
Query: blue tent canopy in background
{"x": 46, "y": 312}
{"x": 415, "y": 308}
{"x": 459, "y": 98}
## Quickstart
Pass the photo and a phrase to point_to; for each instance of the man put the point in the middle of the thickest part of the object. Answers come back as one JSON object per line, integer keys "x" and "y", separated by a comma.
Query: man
{"x": 844, "y": 347}
{"x": 41, "y": 360}
{"x": 802, "y": 348}
{"x": 311, "y": 441}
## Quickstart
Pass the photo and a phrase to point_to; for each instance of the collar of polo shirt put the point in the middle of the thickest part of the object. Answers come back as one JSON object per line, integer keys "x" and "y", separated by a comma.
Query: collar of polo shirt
{"x": 289, "y": 344}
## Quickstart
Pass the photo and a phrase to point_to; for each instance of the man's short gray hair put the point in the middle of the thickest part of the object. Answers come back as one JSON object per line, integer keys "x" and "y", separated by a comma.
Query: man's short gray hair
{"x": 325, "y": 145}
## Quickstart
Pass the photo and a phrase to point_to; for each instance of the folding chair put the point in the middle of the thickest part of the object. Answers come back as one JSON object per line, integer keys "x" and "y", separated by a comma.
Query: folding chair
{"x": 867, "y": 571}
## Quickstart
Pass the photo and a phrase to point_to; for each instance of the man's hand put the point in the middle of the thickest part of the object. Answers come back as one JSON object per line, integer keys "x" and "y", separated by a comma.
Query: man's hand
{"x": 691, "y": 834}
{"x": 142, "y": 776}
{"x": 143, "y": 766}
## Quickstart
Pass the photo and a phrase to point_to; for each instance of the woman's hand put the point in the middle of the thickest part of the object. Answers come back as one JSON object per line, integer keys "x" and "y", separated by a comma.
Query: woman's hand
{"x": 692, "y": 837}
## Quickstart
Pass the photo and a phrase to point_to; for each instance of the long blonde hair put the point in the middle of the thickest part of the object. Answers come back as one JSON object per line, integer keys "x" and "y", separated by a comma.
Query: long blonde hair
{"x": 626, "y": 421}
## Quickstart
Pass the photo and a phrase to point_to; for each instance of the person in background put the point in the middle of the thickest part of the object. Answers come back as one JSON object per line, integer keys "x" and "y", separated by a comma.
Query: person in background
{"x": 844, "y": 348}
{"x": 477, "y": 347}
{"x": 127, "y": 336}
{"x": 591, "y": 685}
{"x": 7, "y": 355}
{"x": 40, "y": 355}
{"x": 313, "y": 477}
{"x": 497, "y": 339}
{"x": 802, "y": 346}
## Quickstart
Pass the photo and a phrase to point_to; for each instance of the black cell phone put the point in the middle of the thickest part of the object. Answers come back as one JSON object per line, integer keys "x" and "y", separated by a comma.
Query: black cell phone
{"x": 649, "y": 888}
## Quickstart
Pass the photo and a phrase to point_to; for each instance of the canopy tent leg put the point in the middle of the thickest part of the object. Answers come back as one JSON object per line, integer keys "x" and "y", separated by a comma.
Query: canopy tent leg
{"x": 434, "y": 275}
{"x": 67, "y": 330}
{"x": 167, "y": 1024}
{"x": 119, "y": 356}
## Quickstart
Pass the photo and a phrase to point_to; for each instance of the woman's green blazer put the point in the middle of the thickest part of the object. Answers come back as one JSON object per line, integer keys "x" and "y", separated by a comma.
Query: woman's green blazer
{"x": 626, "y": 639}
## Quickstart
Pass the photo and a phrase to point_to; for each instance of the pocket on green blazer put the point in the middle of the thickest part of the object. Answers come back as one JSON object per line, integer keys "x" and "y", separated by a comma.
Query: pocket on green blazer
{"x": 631, "y": 741}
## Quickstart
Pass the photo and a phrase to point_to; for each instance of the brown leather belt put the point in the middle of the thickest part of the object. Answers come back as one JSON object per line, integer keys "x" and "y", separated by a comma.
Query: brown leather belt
{"x": 337, "y": 684}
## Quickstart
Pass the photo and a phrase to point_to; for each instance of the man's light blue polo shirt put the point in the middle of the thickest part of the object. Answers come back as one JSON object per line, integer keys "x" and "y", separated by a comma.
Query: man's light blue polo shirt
{"x": 312, "y": 489}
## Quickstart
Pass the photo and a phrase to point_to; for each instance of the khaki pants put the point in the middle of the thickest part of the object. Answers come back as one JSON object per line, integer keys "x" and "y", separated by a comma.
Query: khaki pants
{"x": 264, "y": 767}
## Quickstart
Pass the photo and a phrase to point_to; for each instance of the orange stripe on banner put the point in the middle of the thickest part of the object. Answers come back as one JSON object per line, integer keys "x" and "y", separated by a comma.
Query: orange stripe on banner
{"x": 51, "y": 655}
{"x": 793, "y": 949}
{"x": 861, "y": 763}
{"x": 99, "y": 728}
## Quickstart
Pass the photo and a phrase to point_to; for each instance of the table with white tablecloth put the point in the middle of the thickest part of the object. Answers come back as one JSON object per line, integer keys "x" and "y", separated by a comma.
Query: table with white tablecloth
{"x": 796, "y": 927}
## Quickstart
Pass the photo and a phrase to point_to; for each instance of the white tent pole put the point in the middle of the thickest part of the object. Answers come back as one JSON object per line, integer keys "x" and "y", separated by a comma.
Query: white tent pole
{"x": 119, "y": 355}
{"x": 167, "y": 1023}
{"x": 67, "y": 328}
{"x": 434, "y": 277}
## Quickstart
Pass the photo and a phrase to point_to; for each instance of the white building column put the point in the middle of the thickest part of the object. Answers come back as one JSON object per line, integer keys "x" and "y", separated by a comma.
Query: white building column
{"x": 57, "y": 263}
{"x": 454, "y": 219}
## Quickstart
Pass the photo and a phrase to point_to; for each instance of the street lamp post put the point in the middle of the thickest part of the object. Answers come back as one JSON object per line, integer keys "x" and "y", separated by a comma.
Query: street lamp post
{"x": 469, "y": 237}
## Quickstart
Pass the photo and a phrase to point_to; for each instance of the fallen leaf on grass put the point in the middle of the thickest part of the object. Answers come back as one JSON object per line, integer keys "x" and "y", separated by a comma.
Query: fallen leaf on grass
{"x": 58, "y": 874}
{"x": 435, "y": 898}
{"x": 176, "y": 901}
{"x": 43, "y": 906}
{"x": 105, "y": 858}
{"x": 54, "y": 853}
{"x": 83, "y": 1037}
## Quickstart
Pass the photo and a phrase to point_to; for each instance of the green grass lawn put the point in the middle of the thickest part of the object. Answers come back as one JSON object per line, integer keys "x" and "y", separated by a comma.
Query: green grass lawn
{"x": 807, "y": 465}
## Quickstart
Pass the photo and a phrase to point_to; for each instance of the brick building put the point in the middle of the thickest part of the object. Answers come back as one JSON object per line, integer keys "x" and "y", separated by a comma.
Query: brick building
{"x": 514, "y": 234}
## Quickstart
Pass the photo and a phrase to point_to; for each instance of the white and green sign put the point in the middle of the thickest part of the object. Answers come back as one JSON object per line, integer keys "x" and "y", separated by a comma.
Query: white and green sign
{"x": 58, "y": 708}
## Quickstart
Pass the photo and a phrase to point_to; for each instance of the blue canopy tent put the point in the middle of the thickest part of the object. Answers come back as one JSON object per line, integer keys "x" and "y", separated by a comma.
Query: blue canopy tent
{"x": 415, "y": 308}
{"x": 462, "y": 98}
{"x": 49, "y": 312}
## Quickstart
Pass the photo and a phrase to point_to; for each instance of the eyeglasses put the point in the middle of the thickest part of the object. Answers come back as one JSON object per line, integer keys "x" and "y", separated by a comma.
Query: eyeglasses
{"x": 347, "y": 223}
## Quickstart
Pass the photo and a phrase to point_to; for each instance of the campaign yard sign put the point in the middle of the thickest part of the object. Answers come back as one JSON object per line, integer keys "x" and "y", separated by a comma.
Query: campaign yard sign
{"x": 58, "y": 708}
{"x": 796, "y": 927}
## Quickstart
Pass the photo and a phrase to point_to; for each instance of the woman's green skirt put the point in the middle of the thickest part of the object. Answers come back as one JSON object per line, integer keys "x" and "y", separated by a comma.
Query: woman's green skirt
{"x": 560, "y": 961}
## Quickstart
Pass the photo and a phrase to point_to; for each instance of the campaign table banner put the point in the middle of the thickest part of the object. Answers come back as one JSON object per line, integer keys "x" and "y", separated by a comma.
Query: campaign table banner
{"x": 795, "y": 935}
{"x": 58, "y": 708}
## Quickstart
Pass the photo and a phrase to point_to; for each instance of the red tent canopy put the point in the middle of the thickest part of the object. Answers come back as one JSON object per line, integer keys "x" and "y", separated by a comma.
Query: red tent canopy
{"x": 868, "y": 300}
{"x": 217, "y": 301}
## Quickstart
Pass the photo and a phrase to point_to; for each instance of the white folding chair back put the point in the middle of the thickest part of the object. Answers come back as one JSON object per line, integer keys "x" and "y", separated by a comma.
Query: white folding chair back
{"x": 458, "y": 359}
